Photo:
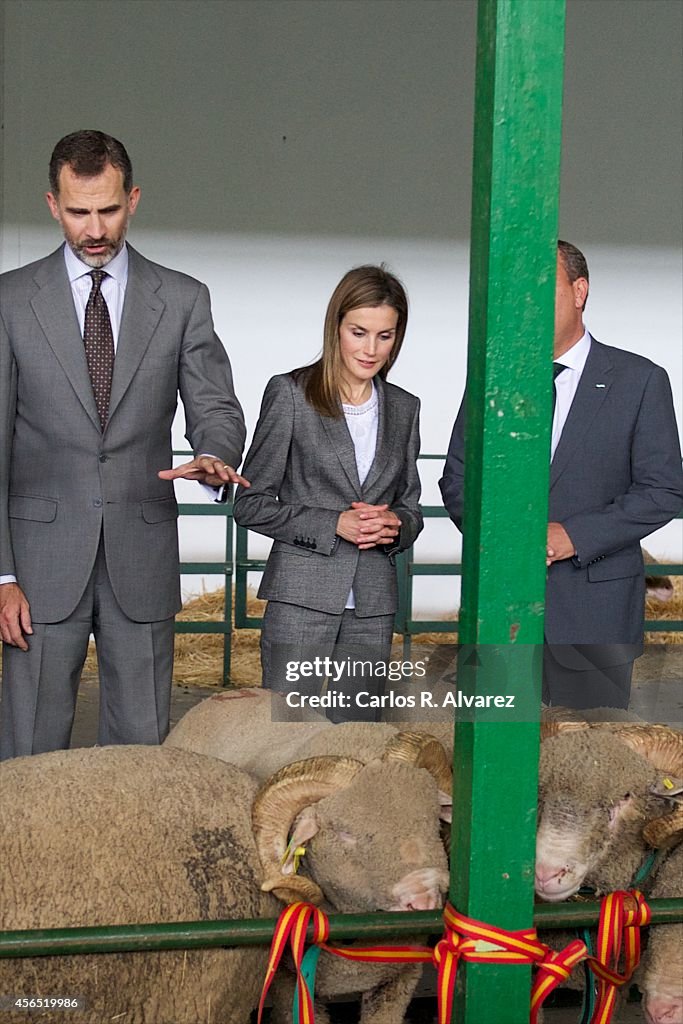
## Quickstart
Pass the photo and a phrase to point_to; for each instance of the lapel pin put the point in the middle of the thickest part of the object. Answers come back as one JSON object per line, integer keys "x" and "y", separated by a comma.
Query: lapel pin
{"x": 601, "y": 385}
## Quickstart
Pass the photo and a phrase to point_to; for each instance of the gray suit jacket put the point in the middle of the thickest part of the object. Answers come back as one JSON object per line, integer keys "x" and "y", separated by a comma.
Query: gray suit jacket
{"x": 615, "y": 477}
{"x": 302, "y": 469}
{"x": 63, "y": 482}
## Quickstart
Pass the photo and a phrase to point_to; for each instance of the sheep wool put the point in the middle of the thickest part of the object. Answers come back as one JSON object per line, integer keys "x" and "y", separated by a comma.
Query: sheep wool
{"x": 130, "y": 835}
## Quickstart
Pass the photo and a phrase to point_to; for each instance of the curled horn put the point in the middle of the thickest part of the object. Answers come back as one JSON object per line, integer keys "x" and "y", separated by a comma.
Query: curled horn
{"x": 423, "y": 751}
{"x": 276, "y": 806}
{"x": 665, "y": 831}
{"x": 658, "y": 744}
{"x": 663, "y": 748}
{"x": 556, "y": 720}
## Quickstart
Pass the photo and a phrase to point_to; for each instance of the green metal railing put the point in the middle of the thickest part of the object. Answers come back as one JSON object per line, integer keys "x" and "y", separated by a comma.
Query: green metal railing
{"x": 407, "y": 570}
{"x": 259, "y": 931}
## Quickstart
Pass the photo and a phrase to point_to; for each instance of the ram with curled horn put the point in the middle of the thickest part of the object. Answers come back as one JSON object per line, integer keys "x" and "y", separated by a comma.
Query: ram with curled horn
{"x": 356, "y": 837}
{"x": 600, "y": 804}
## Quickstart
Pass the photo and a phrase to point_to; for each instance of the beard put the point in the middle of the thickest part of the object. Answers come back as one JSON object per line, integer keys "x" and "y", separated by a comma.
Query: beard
{"x": 96, "y": 261}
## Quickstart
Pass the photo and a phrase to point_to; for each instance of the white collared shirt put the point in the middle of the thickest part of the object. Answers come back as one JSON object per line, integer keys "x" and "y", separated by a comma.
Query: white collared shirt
{"x": 566, "y": 384}
{"x": 113, "y": 286}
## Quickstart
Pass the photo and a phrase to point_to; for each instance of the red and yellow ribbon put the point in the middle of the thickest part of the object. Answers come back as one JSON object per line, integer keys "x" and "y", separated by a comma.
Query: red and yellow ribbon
{"x": 622, "y": 915}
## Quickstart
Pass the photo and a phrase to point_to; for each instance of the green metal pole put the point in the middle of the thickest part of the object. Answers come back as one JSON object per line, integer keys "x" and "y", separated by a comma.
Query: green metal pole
{"x": 512, "y": 285}
{"x": 227, "y": 606}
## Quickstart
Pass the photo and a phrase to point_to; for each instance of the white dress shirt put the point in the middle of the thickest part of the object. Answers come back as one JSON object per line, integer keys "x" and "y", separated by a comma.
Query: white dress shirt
{"x": 566, "y": 384}
{"x": 113, "y": 286}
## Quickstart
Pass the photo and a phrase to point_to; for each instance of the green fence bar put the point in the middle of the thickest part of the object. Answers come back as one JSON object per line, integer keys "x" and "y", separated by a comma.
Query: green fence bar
{"x": 518, "y": 100}
{"x": 224, "y": 569}
{"x": 255, "y": 932}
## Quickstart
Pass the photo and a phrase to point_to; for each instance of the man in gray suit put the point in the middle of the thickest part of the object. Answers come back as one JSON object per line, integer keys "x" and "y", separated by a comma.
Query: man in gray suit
{"x": 95, "y": 344}
{"x": 615, "y": 477}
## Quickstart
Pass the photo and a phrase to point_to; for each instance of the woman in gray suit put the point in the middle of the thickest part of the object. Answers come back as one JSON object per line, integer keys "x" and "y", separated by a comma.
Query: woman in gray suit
{"x": 334, "y": 482}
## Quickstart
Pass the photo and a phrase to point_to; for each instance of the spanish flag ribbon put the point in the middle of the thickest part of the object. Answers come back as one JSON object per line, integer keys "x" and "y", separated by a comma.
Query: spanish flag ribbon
{"x": 622, "y": 915}
{"x": 477, "y": 942}
{"x": 292, "y": 925}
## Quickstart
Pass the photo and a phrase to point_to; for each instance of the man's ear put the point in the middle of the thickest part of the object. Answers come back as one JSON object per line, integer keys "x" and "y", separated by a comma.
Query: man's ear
{"x": 53, "y": 204}
{"x": 133, "y": 199}
{"x": 580, "y": 288}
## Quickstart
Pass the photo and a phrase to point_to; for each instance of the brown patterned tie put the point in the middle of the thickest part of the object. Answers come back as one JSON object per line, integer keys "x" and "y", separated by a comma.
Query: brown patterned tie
{"x": 99, "y": 345}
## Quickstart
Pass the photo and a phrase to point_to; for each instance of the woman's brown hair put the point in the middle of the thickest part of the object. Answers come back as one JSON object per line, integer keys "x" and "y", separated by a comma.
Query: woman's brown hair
{"x": 363, "y": 286}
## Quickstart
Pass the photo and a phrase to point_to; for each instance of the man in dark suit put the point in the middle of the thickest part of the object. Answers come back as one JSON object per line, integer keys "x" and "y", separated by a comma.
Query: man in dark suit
{"x": 95, "y": 343}
{"x": 615, "y": 477}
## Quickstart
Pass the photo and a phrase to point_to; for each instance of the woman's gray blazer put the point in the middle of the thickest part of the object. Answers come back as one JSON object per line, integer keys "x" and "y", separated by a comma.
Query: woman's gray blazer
{"x": 302, "y": 469}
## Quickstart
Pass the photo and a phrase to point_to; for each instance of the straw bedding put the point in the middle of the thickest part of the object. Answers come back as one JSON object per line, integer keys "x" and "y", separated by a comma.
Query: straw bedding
{"x": 199, "y": 657}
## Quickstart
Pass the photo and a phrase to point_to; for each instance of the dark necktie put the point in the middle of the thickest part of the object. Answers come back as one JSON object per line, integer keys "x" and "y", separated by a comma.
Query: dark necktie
{"x": 557, "y": 370}
{"x": 99, "y": 345}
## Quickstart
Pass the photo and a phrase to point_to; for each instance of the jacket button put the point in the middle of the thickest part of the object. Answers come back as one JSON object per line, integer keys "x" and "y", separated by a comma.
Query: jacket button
{"x": 103, "y": 458}
{"x": 97, "y": 502}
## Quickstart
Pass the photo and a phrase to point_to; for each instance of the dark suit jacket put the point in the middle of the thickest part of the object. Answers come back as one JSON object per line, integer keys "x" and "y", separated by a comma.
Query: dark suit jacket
{"x": 616, "y": 476}
{"x": 64, "y": 483}
{"x": 302, "y": 470}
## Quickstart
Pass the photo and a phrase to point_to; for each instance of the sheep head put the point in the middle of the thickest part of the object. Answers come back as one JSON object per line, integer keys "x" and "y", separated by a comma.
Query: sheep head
{"x": 371, "y": 834}
{"x": 660, "y": 975}
{"x": 595, "y": 798}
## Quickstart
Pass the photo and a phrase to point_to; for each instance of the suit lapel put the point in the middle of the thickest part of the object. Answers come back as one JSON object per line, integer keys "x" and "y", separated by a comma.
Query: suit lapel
{"x": 386, "y": 434}
{"x": 142, "y": 309}
{"x": 53, "y": 306}
{"x": 595, "y": 382}
{"x": 338, "y": 434}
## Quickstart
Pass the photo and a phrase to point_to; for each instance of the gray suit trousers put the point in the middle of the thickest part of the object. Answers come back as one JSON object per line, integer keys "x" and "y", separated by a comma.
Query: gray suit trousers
{"x": 293, "y": 636}
{"x": 40, "y": 686}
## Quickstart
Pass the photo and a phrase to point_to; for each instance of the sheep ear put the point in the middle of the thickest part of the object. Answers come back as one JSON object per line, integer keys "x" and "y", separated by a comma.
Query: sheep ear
{"x": 445, "y": 806}
{"x": 669, "y": 787}
{"x": 305, "y": 827}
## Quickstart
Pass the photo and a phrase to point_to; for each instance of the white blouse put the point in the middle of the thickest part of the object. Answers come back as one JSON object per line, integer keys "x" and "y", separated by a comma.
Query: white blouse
{"x": 362, "y": 421}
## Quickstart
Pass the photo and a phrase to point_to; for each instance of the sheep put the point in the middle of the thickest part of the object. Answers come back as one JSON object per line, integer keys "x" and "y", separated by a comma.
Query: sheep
{"x": 120, "y": 835}
{"x": 659, "y": 588}
{"x": 660, "y": 976}
{"x": 164, "y": 834}
{"x": 248, "y": 727}
{"x": 389, "y": 804}
{"x": 591, "y": 821}
{"x": 252, "y": 729}
{"x": 245, "y": 729}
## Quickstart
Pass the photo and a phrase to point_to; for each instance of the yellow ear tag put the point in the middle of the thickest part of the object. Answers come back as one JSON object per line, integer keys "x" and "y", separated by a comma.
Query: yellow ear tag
{"x": 298, "y": 853}
{"x": 668, "y": 784}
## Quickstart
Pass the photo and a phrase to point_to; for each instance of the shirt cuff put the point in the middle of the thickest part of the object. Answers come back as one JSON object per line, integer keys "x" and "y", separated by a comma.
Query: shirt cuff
{"x": 7, "y": 579}
{"x": 219, "y": 495}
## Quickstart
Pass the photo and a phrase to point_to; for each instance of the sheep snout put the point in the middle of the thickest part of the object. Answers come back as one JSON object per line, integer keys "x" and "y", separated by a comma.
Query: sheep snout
{"x": 554, "y": 883}
{"x": 661, "y": 1010}
{"x": 420, "y": 890}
